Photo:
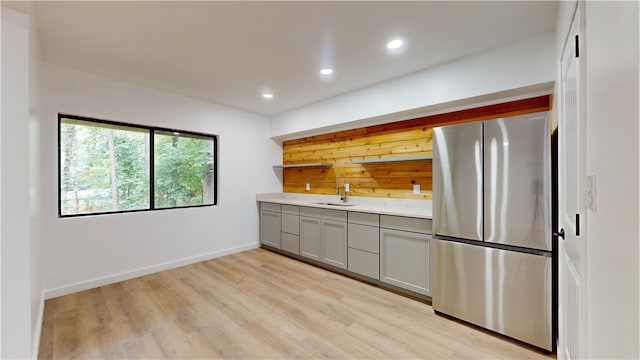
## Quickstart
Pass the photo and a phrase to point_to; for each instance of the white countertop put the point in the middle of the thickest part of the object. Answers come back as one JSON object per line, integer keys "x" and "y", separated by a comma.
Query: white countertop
{"x": 385, "y": 206}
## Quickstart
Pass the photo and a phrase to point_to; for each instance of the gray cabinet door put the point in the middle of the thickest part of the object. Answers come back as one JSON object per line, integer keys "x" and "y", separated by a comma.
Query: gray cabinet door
{"x": 270, "y": 228}
{"x": 310, "y": 237}
{"x": 334, "y": 244}
{"x": 291, "y": 243}
{"x": 405, "y": 260}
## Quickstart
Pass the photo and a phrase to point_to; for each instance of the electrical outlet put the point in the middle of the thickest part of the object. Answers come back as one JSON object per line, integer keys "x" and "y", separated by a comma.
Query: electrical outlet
{"x": 346, "y": 187}
{"x": 416, "y": 189}
{"x": 307, "y": 187}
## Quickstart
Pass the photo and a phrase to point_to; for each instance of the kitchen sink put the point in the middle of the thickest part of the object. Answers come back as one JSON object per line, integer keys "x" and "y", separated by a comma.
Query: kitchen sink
{"x": 334, "y": 204}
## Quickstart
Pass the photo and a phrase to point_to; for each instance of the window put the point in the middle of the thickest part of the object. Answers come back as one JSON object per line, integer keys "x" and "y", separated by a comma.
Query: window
{"x": 107, "y": 167}
{"x": 183, "y": 169}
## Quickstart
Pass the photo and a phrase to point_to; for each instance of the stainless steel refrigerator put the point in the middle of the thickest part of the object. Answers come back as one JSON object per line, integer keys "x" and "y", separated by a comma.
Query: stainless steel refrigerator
{"x": 492, "y": 225}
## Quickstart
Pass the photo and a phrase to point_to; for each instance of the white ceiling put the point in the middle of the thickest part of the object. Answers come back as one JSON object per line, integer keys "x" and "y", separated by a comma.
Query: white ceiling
{"x": 226, "y": 52}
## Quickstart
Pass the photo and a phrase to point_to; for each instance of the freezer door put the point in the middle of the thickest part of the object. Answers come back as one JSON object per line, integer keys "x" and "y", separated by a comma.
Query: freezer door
{"x": 504, "y": 291}
{"x": 457, "y": 181}
{"x": 517, "y": 181}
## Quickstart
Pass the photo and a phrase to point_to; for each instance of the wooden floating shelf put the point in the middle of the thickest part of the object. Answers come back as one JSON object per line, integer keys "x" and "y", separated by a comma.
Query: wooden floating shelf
{"x": 302, "y": 165}
{"x": 392, "y": 159}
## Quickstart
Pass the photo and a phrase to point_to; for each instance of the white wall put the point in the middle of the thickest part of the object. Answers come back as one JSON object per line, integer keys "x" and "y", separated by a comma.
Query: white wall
{"x": 613, "y": 148}
{"x": 37, "y": 294}
{"x": 16, "y": 339}
{"x": 518, "y": 69}
{"x": 85, "y": 252}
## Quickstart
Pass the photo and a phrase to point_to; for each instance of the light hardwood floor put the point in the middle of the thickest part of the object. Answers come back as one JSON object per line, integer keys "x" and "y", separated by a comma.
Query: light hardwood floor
{"x": 256, "y": 305}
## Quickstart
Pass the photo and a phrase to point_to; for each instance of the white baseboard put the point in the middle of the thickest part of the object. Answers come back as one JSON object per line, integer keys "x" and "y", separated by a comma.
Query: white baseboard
{"x": 35, "y": 346}
{"x": 106, "y": 280}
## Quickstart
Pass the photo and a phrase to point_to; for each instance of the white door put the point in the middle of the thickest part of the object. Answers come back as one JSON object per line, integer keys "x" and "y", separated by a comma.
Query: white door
{"x": 572, "y": 214}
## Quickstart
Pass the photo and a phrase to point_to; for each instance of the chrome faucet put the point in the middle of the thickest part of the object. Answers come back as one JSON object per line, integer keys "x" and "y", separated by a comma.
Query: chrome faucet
{"x": 344, "y": 186}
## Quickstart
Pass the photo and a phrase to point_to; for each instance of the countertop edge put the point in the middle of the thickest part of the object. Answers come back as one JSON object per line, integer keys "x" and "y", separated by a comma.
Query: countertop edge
{"x": 414, "y": 212}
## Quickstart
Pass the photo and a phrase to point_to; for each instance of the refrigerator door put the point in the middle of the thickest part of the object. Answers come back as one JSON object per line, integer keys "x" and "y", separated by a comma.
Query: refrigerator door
{"x": 517, "y": 181}
{"x": 457, "y": 181}
{"x": 505, "y": 291}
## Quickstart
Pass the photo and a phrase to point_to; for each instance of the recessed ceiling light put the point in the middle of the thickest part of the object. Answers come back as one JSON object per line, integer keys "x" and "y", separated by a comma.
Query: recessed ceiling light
{"x": 267, "y": 93}
{"x": 326, "y": 71}
{"x": 394, "y": 44}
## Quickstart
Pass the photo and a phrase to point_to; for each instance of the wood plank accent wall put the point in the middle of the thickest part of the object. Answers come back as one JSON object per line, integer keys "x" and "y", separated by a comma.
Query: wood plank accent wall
{"x": 403, "y": 138}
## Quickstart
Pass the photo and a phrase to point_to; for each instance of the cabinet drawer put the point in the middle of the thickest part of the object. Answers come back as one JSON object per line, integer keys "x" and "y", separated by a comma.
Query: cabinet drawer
{"x": 291, "y": 209}
{"x": 418, "y": 225}
{"x": 364, "y": 237}
{"x": 291, "y": 243}
{"x": 329, "y": 214}
{"x": 291, "y": 224}
{"x": 364, "y": 263}
{"x": 364, "y": 218}
{"x": 270, "y": 206}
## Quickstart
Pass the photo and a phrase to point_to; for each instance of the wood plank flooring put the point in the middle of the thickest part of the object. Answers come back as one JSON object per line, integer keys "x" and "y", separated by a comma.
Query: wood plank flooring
{"x": 256, "y": 305}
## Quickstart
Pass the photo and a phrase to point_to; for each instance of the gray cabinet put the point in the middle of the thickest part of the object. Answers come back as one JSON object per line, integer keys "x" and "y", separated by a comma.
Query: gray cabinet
{"x": 323, "y": 235}
{"x": 405, "y": 253}
{"x": 393, "y": 250}
{"x": 310, "y": 237}
{"x": 291, "y": 229}
{"x": 270, "y": 224}
{"x": 334, "y": 243}
{"x": 364, "y": 244}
